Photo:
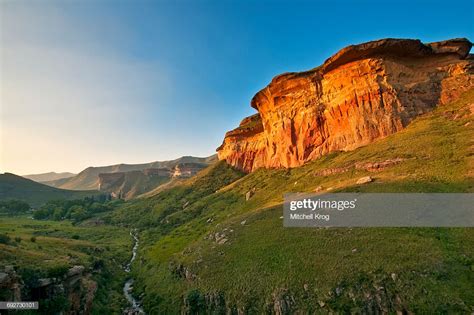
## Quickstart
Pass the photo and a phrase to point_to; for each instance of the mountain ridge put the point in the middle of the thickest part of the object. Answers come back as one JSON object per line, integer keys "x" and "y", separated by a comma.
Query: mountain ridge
{"x": 49, "y": 176}
{"x": 90, "y": 178}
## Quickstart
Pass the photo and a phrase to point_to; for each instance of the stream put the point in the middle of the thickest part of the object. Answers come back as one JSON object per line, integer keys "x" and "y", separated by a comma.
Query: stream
{"x": 135, "y": 306}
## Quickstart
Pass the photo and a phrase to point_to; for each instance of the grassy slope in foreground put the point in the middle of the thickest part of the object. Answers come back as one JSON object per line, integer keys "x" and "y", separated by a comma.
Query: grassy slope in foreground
{"x": 17, "y": 187}
{"x": 264, "y": 267}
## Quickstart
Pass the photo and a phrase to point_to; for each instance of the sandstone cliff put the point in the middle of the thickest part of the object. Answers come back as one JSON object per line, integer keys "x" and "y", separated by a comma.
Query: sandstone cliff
{"x": 362, "y": 93}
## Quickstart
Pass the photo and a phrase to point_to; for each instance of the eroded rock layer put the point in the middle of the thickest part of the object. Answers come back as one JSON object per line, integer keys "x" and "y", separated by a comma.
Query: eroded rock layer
{"x": 362, "y": 93}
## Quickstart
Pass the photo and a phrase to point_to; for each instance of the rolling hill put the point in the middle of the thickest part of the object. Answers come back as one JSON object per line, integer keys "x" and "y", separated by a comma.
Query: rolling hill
{"x": 46, "y": 177}
{"x": 16, "y": 187}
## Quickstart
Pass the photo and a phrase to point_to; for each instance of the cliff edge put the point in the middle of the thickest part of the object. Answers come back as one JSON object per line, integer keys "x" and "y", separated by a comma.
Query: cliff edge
{"x": 362, "y": 93}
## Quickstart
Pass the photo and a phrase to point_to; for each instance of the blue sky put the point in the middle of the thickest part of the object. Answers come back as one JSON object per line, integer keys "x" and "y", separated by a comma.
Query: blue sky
{"x": 103, "y": 82}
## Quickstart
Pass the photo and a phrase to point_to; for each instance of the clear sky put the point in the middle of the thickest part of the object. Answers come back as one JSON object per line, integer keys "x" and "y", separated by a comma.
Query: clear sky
{"x": 89, "y": 83}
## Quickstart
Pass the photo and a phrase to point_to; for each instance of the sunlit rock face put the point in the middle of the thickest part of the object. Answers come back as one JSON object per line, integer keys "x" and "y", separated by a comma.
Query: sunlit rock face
{"x": 362, "y": 93}
{"x": 186, "y": 170}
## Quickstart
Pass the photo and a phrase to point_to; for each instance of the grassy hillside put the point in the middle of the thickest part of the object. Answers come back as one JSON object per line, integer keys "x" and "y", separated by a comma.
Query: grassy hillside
{"x": 207, "y": 250}
{"x": 40, "y": 249}
{"x": 17, "y": 187}
{"x": 88, "y": 179}
{"x": 46, "y": 177}
{"x": 136, "y": 183}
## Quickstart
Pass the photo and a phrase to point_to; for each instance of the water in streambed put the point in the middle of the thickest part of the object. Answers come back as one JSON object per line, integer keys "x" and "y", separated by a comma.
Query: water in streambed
{"x": 135, "y": 307}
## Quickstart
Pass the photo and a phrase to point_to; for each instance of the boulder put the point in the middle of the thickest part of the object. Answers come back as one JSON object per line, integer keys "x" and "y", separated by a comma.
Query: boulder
{"x": 364, "y": 180}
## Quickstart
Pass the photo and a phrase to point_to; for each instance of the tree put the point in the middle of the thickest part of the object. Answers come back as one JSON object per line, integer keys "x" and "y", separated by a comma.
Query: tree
{"x": 78, "y": 213}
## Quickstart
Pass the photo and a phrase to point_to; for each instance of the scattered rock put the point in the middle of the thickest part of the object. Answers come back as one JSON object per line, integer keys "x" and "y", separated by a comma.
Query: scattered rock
{"x": 354, "y": 250}
{"x": 318, "y": 189}
{"x": 76, "y": 270}
{"x": 3, "y": 278}
{"x": 282, "y": 302}
{"x": 364, "y": 180}
{"x": 394, "y": 276}
{"x": 249, "y": 194}
{"x": 243, "y": 222}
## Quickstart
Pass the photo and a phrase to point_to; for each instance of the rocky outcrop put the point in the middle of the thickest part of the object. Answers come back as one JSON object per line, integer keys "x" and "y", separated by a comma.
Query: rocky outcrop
{"x": 186, "y": 170}
{"x": 10, "y": 284}
{"x": 362, "y": 93}
{"x": 165, "y": 172}
{"x": 76, "y": 286}
{"x": 109, "y": 180}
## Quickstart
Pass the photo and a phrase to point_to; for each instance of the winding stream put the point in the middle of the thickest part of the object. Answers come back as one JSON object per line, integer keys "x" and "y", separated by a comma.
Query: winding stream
{"x": 135, "y": 306}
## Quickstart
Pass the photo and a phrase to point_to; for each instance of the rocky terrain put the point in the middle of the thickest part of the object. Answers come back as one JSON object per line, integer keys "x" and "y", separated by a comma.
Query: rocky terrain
{"x": 76, "y": 286}
{"x": 362, "y": 93}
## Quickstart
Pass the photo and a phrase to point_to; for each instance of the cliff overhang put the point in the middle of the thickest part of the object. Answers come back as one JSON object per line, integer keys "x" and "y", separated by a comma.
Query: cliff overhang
{"x": 361, "y": 93}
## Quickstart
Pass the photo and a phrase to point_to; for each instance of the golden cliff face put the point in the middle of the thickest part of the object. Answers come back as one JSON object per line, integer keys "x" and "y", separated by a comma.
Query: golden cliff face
{"x": 362, "y": 93}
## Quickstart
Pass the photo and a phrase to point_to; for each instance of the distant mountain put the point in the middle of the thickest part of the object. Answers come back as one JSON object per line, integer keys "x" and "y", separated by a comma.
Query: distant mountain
{"x": 16, "y": 187}
{"x": 129, "y": 180}
{"x": 46, "y": 177}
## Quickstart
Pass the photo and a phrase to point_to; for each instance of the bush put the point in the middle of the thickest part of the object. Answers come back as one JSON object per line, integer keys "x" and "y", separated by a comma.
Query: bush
{"x": 18, "y": 239}
{"x": 30, "y": 276}
{"x": 58, "y": 271}
{"x": 75, "y": 237}
{"x": 195, "y": 302}
{"x": 4, "y": 239}
{"x": 33, "y": 239}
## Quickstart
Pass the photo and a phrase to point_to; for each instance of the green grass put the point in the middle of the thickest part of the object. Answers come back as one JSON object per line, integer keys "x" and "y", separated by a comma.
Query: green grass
{"x": 62, "y": 245}
{"x": 315, "y": 270}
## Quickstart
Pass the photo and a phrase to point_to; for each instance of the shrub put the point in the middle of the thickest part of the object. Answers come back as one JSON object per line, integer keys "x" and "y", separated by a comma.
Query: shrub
{"x": 195, "y": 301}
{"x": 30, "y": 276}
{"x": 4, "y": 239}
{"x": 33, "y": 239}
{"x": 58, "y": 271}
{"x": 18, "y": 239}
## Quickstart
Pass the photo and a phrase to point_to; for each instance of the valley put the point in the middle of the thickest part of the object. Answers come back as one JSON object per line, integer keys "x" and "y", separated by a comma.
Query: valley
{"x": 206, "y": 235}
